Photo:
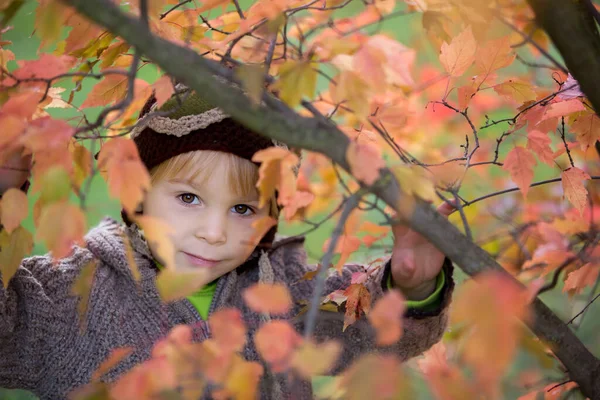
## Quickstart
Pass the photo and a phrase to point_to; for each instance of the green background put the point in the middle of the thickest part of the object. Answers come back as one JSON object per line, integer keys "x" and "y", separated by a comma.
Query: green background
{"x": 25, "y": 45}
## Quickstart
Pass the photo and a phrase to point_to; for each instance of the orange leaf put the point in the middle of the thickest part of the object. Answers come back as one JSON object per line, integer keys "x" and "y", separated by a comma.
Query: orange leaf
{"x": 61, "y": 226}
{"x": 210, "y": 4}
{"x": 228, "y": 329}
{"x": 358, "y": 302}
{"x": 575, "y": 192}
{"x": 242, "y": 381}
{"x": 495, "y": 54}
{"x": 16, "y": 245}
{"x": 312, "y": 359}
{"x": 587, "y": 130}
{"x": 369, "y": 62}
{"x": 459, "y": 55}
{"x": 489, "y": 309}
{"x": 352, "y": 90}
{"x": 581, "y": 278}
{"x": 157, "y": 232}
{"x": 563, "y": 108}
{"x": 115, "y": 357}
{"x": 275, "y": 342}
{"x": 111, "y": 89}
{"x": 21, "y": 105}
{"x": 268, "y": 298}
{"x": 163, "y": 89}
{"x": 345, "y": 246}
{"x": 82, "y": 287}
{"x": 539, "y": 143}
{"x": 300, "y": 200}
{"x": 261, "y": 227}
{"x": 14, "y": 209}
{"x": 398, "y": 61}
{"x": 128, "y": 179}
{"x": 365, "y": 161}
{"x": 519, "y": 163}
{"x": 275, "y": 171}
{"x": 386, "y": 318}
{"x": 375, "y": 373}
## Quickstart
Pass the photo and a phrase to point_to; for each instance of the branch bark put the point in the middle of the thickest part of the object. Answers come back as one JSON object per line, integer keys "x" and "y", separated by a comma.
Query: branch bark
{"x": 277, "y": 121}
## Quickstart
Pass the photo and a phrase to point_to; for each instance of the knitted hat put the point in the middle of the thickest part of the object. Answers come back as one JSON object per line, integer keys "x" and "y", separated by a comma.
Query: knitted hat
{"x": 189, "y": 122}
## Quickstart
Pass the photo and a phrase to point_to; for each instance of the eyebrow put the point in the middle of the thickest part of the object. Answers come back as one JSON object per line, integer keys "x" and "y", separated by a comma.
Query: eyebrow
{"x": 199, "y": 188}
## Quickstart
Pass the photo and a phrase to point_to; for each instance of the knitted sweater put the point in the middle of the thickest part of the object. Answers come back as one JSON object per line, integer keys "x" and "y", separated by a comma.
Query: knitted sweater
{"x": 43, "y": 350}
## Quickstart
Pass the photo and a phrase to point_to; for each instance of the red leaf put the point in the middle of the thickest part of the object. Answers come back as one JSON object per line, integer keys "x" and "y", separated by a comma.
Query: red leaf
{"x": 519, "y": 163}
{"x": 275, "y": 342}
{"x": 539, "y": 143}
{"x": 46, "y": 67}
{"x": 575, "y": 192}
{"x": 228, "y": 329}
{"x": 583, "y": 277}
{"x": 358, "y": 302}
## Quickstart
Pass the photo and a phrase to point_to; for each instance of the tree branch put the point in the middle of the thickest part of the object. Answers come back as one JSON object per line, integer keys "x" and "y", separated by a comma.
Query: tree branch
{"x": 277, "y": 121}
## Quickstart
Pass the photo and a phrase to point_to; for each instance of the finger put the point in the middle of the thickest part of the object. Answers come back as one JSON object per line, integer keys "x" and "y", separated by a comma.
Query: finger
{"x": 447, "y": 208}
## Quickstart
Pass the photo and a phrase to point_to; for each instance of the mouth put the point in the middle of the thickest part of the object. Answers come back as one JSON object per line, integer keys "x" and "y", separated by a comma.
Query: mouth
{"x": 200, "y": 261}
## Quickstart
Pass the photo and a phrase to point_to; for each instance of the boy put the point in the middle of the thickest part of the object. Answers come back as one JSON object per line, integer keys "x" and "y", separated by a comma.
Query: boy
{"x": 203, "y": 185}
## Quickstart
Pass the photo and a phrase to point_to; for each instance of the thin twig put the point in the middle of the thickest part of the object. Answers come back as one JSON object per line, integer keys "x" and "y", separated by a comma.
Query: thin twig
{"x": 321, "y": 277}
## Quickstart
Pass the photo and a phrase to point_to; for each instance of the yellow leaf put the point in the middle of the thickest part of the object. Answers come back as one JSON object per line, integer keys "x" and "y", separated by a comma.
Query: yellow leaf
{"x": 517, "y": 91}
{"x": 55, "y": 185}
{"x": 253, "y": 80}
{"x": 312, "y": 359}
{"x": 297, "y": 79}
{"x": 459, "y": 55}
{"x": 61, "y": 226}
{"x": 416, "y": 181}
{"x": 157, "y": 232}
{"x": 14, "y": 247}
{"x": 14, "y": 209}
{"x": 82, "y": 159}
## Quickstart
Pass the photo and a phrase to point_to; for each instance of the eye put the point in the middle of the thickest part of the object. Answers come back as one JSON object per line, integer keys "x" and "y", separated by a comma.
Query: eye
{"x": 243, "y": 209}
{"x": 187, "y": 198}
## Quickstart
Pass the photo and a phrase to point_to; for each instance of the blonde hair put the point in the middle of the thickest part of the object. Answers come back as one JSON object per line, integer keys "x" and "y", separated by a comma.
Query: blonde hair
{"x": 198, "y": 165}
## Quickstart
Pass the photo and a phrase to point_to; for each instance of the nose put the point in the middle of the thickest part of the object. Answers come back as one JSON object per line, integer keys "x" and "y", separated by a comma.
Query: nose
{"x": 212, "y": 229}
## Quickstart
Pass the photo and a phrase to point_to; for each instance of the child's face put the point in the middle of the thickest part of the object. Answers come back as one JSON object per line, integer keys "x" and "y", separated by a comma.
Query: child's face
{"x": 211, "y": 224}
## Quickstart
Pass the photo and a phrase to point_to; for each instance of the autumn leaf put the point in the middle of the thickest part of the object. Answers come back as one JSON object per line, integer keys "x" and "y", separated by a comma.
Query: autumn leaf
{"x": 276, "y": 171}
{"x": 300, "y": 200}
{"x": 459, "y": 55}
{"x": 50, "y": 17}
{"x": 297, "y": 79}
{"x": 268, "y": 298}
{"x": 352, "y": 90}
{"x": 572, "y": 182}
{"x": 21, "y": 105}
{"x": 14, "y": 247}
{"x": 416, "y": 181}
{"x": 386, "y": 317}
{"x": 494, "y": 54}
{"x": 174, "y": 285}
{"x": 82, "y": 162}
{"x": 345, "y": 246}
{"x": 163, "y": 89}
{"x": 365, "y": 161}
{"x": 369, "y": 62}
{"x": 82, "y": 287}
{"x": 275, "y": 342}
{"x": 109, "y": 90}
{"x": 47, "y": 134}
{"x": 128, "y": 179}
{"x": 46, "y": 67}
{"x": 539, "y": 143}
{"x": 228, "y": 329}
{"x": 563, "y": 108}
{"x": 261, "y": 226}
{"x": 111, "y": 53}
{"x": 115, "y": 357}
{"x": 14, "y": 209}
{"x": 242, "y": 380}
{"x": 376, "y": 373}
{"x": 519, "y": 163}
{"x": 490, "y": 310}
{"x": 311, "y": 359}
{"x": 399, "y": 59}
{"x": 587, "y": 130}
{"x": 61, "y": 226}
{"x": 582, "y": 278}
{"x": 358, "y": 302}
{"x": 516, "y": 91}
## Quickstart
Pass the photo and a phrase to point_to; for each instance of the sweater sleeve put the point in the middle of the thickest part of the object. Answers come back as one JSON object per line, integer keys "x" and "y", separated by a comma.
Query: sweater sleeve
{"x": 33, "y": 306}
{"x": 422, "y": 326}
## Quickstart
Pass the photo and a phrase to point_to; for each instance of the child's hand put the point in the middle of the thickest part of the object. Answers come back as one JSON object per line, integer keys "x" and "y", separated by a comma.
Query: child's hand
{"x": 416, "y": 262}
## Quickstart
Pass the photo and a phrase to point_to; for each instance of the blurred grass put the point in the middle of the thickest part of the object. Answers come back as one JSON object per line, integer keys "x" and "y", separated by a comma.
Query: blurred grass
{"x": 407, "y": 28}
